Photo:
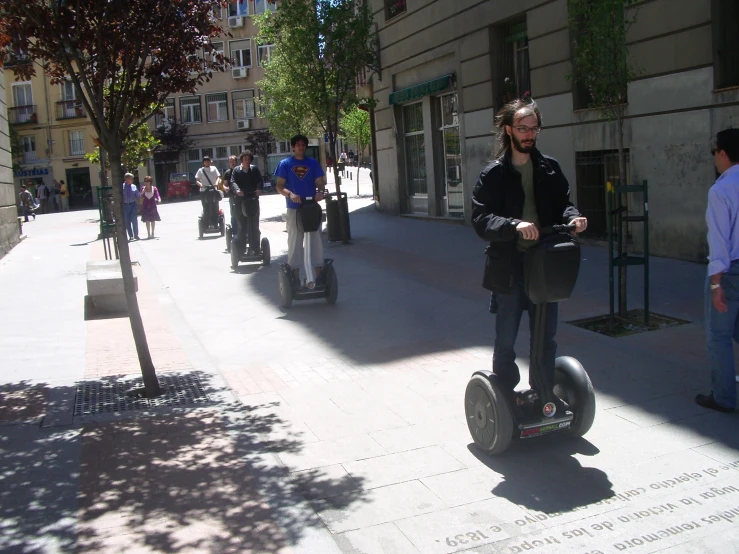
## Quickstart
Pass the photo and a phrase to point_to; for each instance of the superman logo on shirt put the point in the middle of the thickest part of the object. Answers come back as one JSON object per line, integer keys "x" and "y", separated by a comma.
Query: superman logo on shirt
{"x": 301, "y": 171}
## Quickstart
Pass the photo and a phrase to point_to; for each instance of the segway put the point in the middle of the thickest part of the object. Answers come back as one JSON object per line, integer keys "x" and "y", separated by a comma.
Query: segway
{"x": 495, "y": 414}
{"x": 211, "y": 220}
{"x": 229, "y": 236}
{"x": 326, "y": 286}
{"x": 243, "y": 256}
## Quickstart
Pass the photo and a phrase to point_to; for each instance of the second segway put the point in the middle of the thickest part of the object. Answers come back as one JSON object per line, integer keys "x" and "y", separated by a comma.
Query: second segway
{"x": 326, "y": 285}
{"x": 496, "y": 415}
{"x": 211, "y": 220}
{"x": 244, "y": 255}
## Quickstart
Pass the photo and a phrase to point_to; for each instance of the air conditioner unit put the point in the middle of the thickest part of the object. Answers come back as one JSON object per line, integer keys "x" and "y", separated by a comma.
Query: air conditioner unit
{"x": 243, "y": 123}
{"x": 240, "y": 72}
{"x": 236, "y": 21}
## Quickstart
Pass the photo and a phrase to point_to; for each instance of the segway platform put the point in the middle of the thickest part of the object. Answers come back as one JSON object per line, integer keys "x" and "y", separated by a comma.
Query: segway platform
{"x": 263, "y": 256}
{"x": 326, "y": 286}
{"x": 214, "y": 222}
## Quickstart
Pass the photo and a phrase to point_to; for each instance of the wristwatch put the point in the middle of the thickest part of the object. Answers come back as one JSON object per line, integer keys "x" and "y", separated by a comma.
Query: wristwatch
{"x": 715, "y": 286}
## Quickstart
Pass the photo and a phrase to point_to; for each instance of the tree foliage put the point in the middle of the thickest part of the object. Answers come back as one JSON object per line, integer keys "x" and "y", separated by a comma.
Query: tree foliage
{"x": 137, "y": 149}
{"x": 124, "y": 57}
{"x": 355, "y": 125}
{"x": 601, "y": 60}
{"x": 16, "y": 148}
{"x": 320, "y": 47}
{"x": 259, "y": 141}
{"x": 172, "y": 138}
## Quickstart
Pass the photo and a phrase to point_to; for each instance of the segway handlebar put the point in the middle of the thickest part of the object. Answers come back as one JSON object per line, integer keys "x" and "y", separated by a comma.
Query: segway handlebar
{"x": 552, "y": 229}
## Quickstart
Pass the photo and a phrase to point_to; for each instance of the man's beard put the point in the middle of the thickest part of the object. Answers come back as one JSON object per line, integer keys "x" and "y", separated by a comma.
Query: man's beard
{"x": 521, "y": 148}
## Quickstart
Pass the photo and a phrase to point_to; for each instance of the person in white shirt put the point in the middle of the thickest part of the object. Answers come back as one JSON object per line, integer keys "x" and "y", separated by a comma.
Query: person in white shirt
{"x": 207, "y": 176}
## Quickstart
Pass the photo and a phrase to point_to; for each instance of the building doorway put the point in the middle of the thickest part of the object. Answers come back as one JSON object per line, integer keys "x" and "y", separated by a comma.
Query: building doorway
{"x": 415, "y": 157}
{"x": 453, "y": 203}
{"x": 80, "y": 191}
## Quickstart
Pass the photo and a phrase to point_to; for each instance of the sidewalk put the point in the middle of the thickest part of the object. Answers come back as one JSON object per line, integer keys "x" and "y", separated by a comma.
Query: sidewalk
{"x": 341, "y": 429}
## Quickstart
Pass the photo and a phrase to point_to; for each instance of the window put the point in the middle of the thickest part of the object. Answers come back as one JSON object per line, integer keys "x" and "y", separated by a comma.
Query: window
{"x": 217, "y": 49}
{"x": 29, "y": 149}
{"x": 76, "y": 143}
{"x": 220, "y": 160}
{"x": 239, "y": 7}
{"x": 167, "y": 113}
{"x": 241, "y": 52}
{"x": 593, "y": 171}
{"x": 514, "y": 79}
{"x": 69, "y": 107}
{"x": 393, "y": 8}
{"x": 243, "y": 102}
{"x": 261, "y": 6}
{"x": 194, "y": 161}
{"x": 725, "y": 45}
{"x": 217, "y": 106}
{"x": 190, "y": 110}
{"x": 23, "y": 108}
{"x": 415, "y": 154}
{"x": 264, "y": 54}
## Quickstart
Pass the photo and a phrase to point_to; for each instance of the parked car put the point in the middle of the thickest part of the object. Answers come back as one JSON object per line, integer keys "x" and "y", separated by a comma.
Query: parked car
{"x": 180, "y": 185}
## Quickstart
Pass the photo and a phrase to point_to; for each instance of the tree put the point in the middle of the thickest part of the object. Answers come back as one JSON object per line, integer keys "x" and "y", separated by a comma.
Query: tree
{"x": 320, "y": 47}
{"x": 124, "y": 58}
{"x": 355, "y": 124}
{"x": 16, "y": 148}
{"x": 172, "y": 138}
{"x": 137, "y": 149}
{"x": 602, "y": 66}
{"x": 259, "y": 141}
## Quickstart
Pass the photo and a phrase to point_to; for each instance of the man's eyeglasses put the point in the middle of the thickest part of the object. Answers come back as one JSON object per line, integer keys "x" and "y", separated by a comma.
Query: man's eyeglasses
{"x": 525, "y": 130}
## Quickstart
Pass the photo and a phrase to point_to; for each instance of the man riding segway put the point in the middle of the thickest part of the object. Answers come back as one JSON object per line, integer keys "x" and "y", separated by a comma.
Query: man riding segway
{"x": 246, "y": 187}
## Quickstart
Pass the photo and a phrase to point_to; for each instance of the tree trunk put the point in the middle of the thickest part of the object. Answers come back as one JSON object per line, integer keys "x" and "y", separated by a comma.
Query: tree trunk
{"x": 373, "y": 154}
{"x": 623, "y": 205}
{"x": 151, "y": 383}
{"x": 359, "y": 164}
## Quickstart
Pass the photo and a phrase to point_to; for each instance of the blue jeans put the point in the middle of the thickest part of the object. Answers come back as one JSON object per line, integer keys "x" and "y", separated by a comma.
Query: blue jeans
{"x": 507, "y": 321}
{"x": 721, "y": 330}
{"x": 132, "y": 222}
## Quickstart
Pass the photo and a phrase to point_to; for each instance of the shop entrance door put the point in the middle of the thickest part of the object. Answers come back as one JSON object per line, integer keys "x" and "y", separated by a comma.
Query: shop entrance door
{"x": 80, "y": 191}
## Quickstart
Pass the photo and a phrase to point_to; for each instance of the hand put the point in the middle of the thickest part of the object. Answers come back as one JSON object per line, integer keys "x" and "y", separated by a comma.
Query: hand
{"x": 294, "y": 197}
{"x": 528, "y": 230}
{"x": 581, "y": 223}
{"x": 259, "y": 192}
{"x": 320, "y": 195}
{"x": 240, "y": 193}
{"x": 719, "y": 300}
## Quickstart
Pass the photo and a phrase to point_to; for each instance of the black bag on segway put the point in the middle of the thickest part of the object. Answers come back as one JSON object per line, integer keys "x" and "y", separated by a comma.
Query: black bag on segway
{"x": 551, "y": 267}
{"x": 309, "y": 217}
{"x": 498, "y": 276}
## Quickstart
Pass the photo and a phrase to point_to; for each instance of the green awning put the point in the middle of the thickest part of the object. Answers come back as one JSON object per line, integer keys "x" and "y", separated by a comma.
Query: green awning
{"x": 424, "y": 89}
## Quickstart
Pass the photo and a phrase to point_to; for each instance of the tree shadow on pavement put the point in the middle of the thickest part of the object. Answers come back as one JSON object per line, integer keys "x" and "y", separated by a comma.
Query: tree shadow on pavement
{"x": 165, "y": 480}
{"x": 542, "y": 475}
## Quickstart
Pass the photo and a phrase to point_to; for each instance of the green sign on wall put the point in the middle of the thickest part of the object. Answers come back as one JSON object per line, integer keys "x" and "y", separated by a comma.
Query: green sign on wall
{"x": 424, "y": 89}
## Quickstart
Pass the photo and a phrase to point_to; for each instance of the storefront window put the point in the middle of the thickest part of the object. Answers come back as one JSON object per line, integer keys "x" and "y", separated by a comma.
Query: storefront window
{"x": 452, "y": 155}
{"x": 415, "y": 154}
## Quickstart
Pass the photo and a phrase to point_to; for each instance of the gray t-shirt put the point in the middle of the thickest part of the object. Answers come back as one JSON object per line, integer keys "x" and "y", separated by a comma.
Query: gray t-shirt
{"x": 529, "y": 206}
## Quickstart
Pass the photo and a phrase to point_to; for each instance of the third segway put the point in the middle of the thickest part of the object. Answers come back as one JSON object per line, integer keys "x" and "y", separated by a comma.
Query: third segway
{"x": 496, "y": 415}
{"x": 326, "y": 285}
{"x": 237, "y": 256}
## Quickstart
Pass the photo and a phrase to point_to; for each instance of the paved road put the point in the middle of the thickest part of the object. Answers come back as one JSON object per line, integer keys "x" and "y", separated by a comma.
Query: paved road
{"x": 341, "y": 428}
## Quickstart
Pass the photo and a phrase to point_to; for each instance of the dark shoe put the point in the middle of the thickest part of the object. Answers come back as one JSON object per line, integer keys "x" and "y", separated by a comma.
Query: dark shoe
{"x": 136, "y": 238}
{"x": 708, "y": 401}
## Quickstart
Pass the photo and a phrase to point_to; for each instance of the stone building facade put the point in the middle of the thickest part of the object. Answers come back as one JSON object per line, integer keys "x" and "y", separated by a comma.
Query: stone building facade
{"x": 447, "y": 67}
{"x": 9, "y": 235}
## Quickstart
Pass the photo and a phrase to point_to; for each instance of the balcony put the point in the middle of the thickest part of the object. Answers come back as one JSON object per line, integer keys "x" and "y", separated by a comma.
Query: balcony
{"x": 70, "y": 109}
{"x": 12, "y": 60}
{"x": 20, "y": 115}
{"x": 393, "y": 8}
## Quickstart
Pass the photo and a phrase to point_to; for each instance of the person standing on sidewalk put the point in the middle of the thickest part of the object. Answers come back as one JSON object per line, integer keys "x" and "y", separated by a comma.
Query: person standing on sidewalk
{"x": 246, "y": 187}
{"x": 298, "y": 177}
{"x": 64, "y": 196}
{"x": 56, "y": 189}
{"x": 43, "y": 194}
{"x": 519, "y": 192}
{"x": 131, "y": 195}
{"x": 722, "y": 282}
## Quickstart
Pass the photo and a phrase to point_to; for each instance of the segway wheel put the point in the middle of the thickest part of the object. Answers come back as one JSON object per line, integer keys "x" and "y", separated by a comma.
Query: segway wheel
{"x": 572, "y": 384}
{"x": 222, "y": 226}
{"x": 234, "y": 257}
{"x": 266, "y": 259}
{"x": 229, "y": 236}
{"x": 201, "y": 230}
{"x": 489, "y": 416}
{"x": 286, "y": 289}
{"x": 332, "y": 284}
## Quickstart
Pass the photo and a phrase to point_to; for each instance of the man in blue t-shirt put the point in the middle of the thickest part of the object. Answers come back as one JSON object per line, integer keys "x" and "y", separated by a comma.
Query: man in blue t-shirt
{"x": 300, "y": 177}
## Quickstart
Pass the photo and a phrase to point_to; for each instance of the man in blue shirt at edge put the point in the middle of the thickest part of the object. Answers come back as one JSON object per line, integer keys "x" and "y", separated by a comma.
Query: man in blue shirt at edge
{"x": 131, "y": 195}
{"x": 722, "y": 283}
{"x": 300, "y": 176}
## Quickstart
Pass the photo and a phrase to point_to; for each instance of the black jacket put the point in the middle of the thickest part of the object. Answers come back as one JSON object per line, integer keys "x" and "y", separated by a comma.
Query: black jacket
{"x": 247, "y": 181}
{"x": 498, "y": 200}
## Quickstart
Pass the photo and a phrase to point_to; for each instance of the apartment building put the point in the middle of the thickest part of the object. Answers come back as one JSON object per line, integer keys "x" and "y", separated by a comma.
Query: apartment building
{"x": 447, "y": 67}
{"x": 54, "y": 133}
{"x": 9, "y": 235}
{"x": 221, "y": 113}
